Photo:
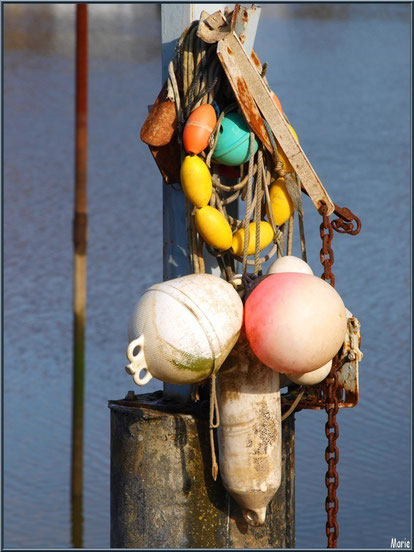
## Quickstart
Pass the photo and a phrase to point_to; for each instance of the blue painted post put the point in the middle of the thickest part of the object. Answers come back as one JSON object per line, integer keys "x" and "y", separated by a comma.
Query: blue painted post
{"x": 175, "y": 18}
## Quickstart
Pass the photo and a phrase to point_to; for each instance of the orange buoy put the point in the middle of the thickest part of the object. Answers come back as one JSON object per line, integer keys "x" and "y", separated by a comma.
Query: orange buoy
{"x": 277, "y": 102}
{"x": 295, "y": 323}
{"x": 198, "y": 128}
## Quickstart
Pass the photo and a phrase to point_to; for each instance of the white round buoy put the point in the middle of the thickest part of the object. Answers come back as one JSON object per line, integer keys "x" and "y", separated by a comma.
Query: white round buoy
{"x": 312, "y": 378}
{"x": 289, "y": 263}
{"x": 182, "y": 330}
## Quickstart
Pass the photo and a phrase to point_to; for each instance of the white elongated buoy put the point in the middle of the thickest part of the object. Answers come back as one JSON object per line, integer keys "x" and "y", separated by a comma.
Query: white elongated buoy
{"x": 289, "y": 263}
{"x": 249, "y": 434}
{"x": 182, "y": 330}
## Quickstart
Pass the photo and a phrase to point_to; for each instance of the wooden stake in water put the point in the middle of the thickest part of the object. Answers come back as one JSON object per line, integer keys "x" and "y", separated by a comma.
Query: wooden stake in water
{"x": 79, "y": 289}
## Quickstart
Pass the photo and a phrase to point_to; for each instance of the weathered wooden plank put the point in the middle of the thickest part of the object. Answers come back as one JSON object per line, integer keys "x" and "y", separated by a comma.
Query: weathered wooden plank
{"x": 244, "y": 97}
{"x": 249, "y": 88}
{"x": 213, "y": 29}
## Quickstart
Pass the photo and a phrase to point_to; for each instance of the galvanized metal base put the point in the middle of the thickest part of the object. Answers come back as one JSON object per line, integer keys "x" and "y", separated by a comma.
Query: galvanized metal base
{"x": 162, "y": 491}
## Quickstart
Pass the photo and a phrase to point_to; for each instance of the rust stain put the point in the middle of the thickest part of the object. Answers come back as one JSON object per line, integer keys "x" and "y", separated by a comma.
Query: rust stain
{"x": 244, "y": 14}
{"x": 256, "y": 61}
{"x": 229, "y": 50}
{"x": 314, "y": 399}
{"x": 251, "y": 112}
{"x": 235, "y": 16}
{"x": 351, "y": 399}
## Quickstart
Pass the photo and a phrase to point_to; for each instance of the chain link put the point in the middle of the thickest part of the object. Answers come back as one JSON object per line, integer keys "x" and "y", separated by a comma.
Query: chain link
{"x": 332, "y": 457}
{"x": 331, "y": 405}
{"x": 326, "y": 253}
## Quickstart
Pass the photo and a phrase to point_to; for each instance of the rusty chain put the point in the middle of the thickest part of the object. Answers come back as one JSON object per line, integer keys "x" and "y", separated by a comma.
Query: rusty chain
{"x": 344, "y": 225}
{"x": 332, "y": 456}
{"x": 326, "y": 254}
{"x": 331, "y": 405}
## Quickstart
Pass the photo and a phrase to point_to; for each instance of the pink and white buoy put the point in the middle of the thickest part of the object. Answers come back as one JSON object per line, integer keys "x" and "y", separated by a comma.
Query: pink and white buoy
{"x": 295, "y": 323}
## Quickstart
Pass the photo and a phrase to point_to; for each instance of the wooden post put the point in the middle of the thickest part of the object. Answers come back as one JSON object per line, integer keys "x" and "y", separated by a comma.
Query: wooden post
{"x": 79, "y": 282}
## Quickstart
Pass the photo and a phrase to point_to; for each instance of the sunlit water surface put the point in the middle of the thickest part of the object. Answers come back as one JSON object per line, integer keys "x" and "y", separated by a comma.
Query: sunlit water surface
{"x": 342, "y": 73}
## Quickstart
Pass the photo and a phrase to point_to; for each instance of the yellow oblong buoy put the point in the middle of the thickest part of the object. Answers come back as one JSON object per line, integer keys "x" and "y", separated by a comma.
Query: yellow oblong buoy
{"x": 266, "y": 237}
{"x": 213, "y": 227}
{"x": 196, "y": 181}
{"x": 282, "y": 205}
{"x": 286, "y": 163}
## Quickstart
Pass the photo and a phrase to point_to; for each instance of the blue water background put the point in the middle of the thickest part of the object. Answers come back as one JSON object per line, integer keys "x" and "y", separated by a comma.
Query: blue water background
{"x": 342, "y": 73}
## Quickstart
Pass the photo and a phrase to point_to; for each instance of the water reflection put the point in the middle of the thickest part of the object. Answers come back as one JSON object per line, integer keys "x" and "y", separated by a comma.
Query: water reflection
{"x": 124, "y": 31}
{"x": 79, "y": 269}
{"x": 336, "y": 11}
{"x": 39, "y": 90}
{"x": 77, "y": 521}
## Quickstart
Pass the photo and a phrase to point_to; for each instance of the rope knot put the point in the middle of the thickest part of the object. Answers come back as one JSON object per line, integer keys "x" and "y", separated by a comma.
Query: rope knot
{"x": 280, "y": 171}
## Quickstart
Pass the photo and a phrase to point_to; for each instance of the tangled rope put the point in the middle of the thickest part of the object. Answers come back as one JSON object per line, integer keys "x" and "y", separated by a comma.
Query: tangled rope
{"x": 196, "y": 77}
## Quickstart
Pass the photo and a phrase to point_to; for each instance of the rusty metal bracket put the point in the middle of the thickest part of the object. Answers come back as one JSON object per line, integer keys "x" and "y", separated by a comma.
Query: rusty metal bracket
{"x": 214, "y": 27}
{"x": 345, "y": 223}
{"x": 256, "y": 102}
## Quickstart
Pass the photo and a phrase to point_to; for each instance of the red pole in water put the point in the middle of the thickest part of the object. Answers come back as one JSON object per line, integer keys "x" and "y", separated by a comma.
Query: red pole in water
{"x": 80, "y": 272}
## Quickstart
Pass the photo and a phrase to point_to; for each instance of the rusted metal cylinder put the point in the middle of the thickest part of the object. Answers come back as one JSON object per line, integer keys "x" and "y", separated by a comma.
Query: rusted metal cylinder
{"x": 162, "y": 491}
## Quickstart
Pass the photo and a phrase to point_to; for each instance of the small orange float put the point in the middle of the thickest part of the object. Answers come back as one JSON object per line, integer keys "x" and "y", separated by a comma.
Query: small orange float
{"x": 198, "y": 128}
{"x": 277, "y": 102}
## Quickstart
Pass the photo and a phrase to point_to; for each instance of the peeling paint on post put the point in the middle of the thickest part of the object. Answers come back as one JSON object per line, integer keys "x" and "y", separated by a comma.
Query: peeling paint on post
{"x": 162, "y": 492}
